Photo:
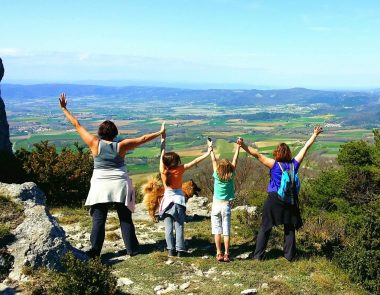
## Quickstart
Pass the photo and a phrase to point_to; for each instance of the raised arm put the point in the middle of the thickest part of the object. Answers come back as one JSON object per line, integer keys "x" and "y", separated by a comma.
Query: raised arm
{"x": 268, "y": 162}
{"x": 131, "y": 143}
{"x": 236, "y": 156}
{"x": 213, "y": 157}
{"x": 301, "y": 154}
{"x": 200, "y": 158}
{"x": 89, "y": 139}
{"x": 163, "y": 141}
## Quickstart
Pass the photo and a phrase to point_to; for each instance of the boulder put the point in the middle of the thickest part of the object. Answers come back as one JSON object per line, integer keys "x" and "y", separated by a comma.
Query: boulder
{"x": 198, "y": 206}
{"x": 38, "y": 240}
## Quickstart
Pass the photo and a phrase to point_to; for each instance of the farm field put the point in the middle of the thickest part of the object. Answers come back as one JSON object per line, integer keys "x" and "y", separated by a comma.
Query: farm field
{"x": 188, "y": 126}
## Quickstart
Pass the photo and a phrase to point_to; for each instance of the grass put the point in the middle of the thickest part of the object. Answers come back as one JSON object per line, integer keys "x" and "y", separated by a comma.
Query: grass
{"x": 12, "y": 214}
{"x": 307, "y": 275}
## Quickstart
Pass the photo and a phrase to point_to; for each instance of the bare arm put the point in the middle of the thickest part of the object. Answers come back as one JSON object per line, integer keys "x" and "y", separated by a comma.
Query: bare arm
{"x": 268, "y": 162}
{"x": 301, "y": 154}
{"x": 213, "y": 157}
{"x": 199, "y": 159}
{"x": 131, "y": 143}
{"x": 89, "y": 139}
{"x": 236, "y": 156}
{"x": 162, "y": 166}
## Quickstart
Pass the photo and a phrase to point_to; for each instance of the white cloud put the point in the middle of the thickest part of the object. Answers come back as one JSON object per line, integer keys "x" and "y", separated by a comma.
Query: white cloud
{"x": 13, "y": 52}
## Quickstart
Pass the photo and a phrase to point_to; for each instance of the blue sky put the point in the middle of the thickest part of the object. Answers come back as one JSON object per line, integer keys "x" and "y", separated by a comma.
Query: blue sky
{"x": 231, "y": 43}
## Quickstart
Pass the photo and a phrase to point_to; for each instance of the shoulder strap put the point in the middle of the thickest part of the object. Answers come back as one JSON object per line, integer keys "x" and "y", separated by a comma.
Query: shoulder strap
{"x": 279, "y": 164}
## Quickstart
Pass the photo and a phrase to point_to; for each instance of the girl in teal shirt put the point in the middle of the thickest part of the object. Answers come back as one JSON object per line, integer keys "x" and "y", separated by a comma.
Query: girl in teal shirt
{"x": 224, "y": 193}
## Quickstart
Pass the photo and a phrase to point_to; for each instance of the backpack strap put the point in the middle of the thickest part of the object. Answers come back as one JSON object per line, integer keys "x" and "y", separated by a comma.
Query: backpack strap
{"x": 279, "y": 164}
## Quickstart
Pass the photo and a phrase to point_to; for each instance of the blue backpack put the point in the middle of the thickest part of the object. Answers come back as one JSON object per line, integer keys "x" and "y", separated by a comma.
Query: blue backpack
{"x": 290, "y": 185}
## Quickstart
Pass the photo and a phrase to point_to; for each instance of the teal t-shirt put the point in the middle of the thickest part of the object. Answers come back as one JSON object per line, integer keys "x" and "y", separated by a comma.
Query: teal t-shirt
{"x": 224, "y": 190}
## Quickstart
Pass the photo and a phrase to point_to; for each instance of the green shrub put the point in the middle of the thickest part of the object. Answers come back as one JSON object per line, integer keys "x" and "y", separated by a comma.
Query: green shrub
{"x": 320, "y": 234}
{"x": 80, "y": 278}
{"x": 362, "y": 258}
{"x": 64, "y": 178}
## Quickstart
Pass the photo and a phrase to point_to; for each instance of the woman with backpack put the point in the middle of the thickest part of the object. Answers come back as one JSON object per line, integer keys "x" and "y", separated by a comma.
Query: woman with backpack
{"x": 281, "y": 206}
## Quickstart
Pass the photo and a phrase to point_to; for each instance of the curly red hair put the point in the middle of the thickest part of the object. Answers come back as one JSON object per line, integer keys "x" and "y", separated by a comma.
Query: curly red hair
{"x": 282, "y": 153}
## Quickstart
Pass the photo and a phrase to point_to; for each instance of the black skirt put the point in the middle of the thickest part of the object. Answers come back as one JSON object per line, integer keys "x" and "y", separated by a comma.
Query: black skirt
{"x": 277, "y": 212}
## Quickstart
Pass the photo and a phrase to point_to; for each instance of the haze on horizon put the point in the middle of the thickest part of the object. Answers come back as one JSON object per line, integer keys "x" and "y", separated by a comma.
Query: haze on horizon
{"x": 323, "y": 44}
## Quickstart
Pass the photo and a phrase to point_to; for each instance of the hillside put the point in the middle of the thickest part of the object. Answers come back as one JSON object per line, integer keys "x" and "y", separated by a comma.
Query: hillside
{"x": 219, "y": 96}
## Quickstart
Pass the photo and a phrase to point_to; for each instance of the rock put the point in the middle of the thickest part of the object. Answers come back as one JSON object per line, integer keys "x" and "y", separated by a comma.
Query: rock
{"x": 184, "y": 286}
{"x": 124, "y": 282}
{"x": 5, "y": 144}
{"x": 169, "y": 261}
{"x": 197, "y": 206}
{"x": 170, "y": 288}
{"x": 249, "y": 291}
{"x": 158, "y": 288}
{"x": 141, "y": 213}
{"x": 264, "y": 286}
{"x": 243, "y": 256}
{"x": 238, "y": 284}
{"x": 38, "y": 240}
{"x": 248, "y": 209}
{"x": 205, "y": 257}
{"x": 211, "y": 271}
{"x": 226, "y": 273}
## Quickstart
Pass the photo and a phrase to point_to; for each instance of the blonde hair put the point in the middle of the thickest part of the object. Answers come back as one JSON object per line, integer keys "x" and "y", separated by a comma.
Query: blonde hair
{"x": 225, "y": 170}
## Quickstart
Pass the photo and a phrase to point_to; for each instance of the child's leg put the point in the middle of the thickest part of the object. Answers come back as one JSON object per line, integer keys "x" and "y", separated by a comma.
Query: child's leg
{"x": 226, "y": 225}
{"x": 180, "y": 228}
{"x": 216, "y": 226}
{"x": 169, "y": 236}
{"x": 218, "y": 244}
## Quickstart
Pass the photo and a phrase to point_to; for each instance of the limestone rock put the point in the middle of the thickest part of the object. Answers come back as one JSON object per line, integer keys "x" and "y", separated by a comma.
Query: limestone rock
{"x": 39, "y": 240}
{"x": 124, "y": 282}
{"x": 248, "y": 209}
{"x": 198, "y": 206}
{"x": 249, "y": 291}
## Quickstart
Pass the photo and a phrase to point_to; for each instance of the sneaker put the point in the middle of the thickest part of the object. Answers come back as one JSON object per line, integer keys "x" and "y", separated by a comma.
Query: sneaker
{"x": 92, "y": 253}
{"x": 171, "y": 253}
{"x": 182, "y": 254}
{"x": 219, "y": 257}
{"x": 226, "y": 258}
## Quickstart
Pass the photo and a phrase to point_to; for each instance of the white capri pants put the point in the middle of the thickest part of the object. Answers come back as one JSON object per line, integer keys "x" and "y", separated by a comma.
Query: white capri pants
{"x": 221, "y": 218}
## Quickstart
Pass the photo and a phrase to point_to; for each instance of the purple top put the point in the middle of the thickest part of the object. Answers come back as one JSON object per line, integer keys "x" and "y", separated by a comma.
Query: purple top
{"x": 275, "y": 174}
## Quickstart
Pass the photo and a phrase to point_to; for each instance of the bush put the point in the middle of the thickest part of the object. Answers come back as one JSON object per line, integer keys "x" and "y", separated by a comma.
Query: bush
{"x": 362, "y": 258}
{"x": 64, "y": 178}
{"x": 321, "y": 234}
{"x": 80, "y": 278}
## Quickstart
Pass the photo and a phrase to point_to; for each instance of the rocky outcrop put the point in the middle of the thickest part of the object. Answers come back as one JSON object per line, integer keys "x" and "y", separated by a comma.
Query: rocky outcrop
{"x": 38, "y": 240}
{"x": 5, "y": 144}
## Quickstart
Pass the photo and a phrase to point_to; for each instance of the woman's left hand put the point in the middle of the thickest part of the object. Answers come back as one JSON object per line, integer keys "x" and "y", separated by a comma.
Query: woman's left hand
{"x": 63, "y": 100}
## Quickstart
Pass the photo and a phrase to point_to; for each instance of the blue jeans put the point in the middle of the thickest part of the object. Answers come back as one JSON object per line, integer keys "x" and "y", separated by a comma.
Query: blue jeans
{"x": 175, "y": 217}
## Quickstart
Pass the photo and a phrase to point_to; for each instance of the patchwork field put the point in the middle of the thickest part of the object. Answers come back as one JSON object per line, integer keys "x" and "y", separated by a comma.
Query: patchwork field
{"x": 188, "y": 126}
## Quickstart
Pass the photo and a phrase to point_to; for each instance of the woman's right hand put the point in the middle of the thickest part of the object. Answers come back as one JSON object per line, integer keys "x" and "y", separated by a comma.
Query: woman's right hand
{"x": 318, "y": 130}
{"x": 63, "y": 100}
{"x": 240, "y": 142}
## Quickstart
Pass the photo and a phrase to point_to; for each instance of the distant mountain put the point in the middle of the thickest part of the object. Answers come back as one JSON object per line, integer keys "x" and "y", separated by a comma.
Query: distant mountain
{"x": 218, "y": 96}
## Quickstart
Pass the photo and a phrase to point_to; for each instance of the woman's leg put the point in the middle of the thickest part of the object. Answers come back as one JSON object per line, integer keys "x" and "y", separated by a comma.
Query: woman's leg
{"x": 169, "y": 235}
{"x": 289, "y": 241}
{"x": 99, "y": 216}
{"x": 261, "y": 243}
{"x": 127, "y": 228}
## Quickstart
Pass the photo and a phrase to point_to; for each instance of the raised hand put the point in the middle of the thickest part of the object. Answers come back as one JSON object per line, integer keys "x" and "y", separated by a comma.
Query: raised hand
{"x": 162, "y": 130}
{"x": 318, "y": 130}
{"x": 63, "y": 100}
{"x": 240, "y": 141}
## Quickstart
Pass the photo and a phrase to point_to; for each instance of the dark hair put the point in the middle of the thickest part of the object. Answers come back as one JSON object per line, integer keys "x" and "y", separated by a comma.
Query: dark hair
{"x": 282, "y": 153}
{"x": 170, "y": 160}
{"x": 107, "y": 130}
